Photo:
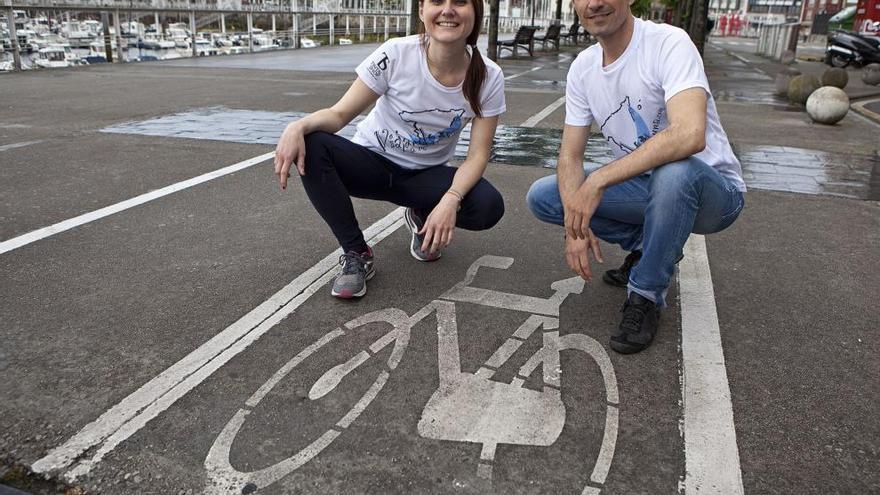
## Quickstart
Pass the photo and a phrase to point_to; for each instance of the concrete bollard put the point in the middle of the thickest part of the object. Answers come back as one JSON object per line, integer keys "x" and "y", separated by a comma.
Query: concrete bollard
{"x": 871, "y": 74}
{"x": 828, "y": 105}
{"x": 783, "y": 79}
{"x": 836, "y": 77}
{"x": 801, "y": 87}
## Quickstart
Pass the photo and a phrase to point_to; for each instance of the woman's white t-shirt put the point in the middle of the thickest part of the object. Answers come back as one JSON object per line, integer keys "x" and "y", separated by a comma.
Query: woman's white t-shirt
{"x": 416, "y": 121}
{"x": 627, "y": 98}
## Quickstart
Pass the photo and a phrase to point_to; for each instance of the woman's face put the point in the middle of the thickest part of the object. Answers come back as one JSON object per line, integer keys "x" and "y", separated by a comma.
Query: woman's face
{"x": 447, "y": 21}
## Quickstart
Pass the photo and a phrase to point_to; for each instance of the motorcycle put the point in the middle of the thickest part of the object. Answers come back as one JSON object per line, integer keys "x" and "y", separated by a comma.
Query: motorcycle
{"x": 845, "y": 48}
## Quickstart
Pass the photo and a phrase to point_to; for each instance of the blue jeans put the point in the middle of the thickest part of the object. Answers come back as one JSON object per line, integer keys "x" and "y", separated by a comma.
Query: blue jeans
{"x": 655, "y": 213}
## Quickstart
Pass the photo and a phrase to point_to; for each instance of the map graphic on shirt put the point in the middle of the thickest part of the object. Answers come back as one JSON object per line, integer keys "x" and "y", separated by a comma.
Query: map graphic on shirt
{"x": 452, "y": 119}
{"x": 641, "y": 130}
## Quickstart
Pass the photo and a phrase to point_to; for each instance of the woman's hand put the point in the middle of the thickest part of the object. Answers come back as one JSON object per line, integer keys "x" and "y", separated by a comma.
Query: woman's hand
{"x": 291, "y": 149}
{"x": 440, "y": 224}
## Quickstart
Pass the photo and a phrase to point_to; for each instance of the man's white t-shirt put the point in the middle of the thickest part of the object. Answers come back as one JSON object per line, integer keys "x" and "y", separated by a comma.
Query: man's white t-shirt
{"x": 416, "y": 121}
{"x": 627, "y": 99}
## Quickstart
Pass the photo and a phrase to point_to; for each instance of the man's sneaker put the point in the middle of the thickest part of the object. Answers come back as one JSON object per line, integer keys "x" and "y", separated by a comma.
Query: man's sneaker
{"x": 414, "y": 222}
{"x": 357, "y": 268}
{"x": 638, "y": 326}
{"x": 619, "y": 277}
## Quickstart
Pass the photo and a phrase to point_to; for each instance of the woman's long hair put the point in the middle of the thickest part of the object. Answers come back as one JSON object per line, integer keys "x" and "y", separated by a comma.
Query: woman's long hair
{"x": 476, "y": 72}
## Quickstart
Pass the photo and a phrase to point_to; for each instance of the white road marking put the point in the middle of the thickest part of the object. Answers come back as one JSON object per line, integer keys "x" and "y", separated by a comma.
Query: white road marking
{"x": 133, "y": 412}
{"x": 538, "y": 117}
{"x": 711, "y": 455}
{"x": 7, "y": 147}
{"x": 512, "y": 76}
{"x": 36, "y": 235}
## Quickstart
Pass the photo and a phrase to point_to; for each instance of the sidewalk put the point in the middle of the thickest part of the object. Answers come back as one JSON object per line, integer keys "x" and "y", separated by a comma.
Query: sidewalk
{"x": 809, "y": 60}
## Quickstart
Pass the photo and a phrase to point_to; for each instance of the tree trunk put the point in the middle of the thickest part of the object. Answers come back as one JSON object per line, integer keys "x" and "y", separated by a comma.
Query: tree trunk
{"x": 559, "y": 10}
{"x": 415, "y": 23}
{"x": 493, "y": 30}
{"x": 698, "y": 23}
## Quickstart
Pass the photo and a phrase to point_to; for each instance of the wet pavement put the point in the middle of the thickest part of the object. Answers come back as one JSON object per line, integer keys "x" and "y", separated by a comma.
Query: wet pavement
{"x": 188, "y": 344}
{"x": 776, "y": 168}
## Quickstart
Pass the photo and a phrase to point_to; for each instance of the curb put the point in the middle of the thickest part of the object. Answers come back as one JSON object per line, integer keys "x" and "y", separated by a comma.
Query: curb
{"x": 860, "y": 108}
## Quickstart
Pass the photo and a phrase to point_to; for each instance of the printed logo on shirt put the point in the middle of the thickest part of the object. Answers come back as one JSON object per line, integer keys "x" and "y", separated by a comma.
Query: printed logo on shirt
{"x": 376, "y": 68}
{"x": 641, "y": 131}
{"x": 429, "y": 127}
{"x": 429, "y": 118}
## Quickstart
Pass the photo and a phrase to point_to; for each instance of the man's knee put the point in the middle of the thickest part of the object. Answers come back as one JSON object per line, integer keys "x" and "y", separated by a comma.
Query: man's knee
{"x": 676, "y": 178}
{"x": 543, "y": 198}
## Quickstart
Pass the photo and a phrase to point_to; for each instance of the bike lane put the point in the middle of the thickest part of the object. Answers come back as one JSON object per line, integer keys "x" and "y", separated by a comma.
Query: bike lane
{"x": 417, "y": 435}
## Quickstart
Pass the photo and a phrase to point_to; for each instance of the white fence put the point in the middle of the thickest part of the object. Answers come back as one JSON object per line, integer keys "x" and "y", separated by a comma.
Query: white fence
{"x": 774, "y": 40}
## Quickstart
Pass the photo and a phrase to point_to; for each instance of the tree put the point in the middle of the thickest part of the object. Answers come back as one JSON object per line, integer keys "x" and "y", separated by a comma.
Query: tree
{"x": 641, "y": 8}
{"x": 692, "y": 16}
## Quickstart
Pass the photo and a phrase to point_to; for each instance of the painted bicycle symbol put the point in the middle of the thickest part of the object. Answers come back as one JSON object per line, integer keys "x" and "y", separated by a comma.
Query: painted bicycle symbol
{"x": 466, "y": 407}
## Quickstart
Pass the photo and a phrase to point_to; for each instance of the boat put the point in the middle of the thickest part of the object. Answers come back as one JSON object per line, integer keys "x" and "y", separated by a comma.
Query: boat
{"x": 178, "y": 33}
{"x": 308, "y": 43}
{"x": 205, "y": 48}
{"x": 51, "y": 57}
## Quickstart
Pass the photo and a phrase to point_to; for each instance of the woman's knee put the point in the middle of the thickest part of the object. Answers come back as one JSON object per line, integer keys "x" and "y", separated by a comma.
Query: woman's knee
{"x": 491, "y": 207}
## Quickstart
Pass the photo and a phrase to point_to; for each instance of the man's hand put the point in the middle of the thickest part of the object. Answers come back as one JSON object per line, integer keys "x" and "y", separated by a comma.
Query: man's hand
{"x": 576, "y": 254}
{"x": 579, "y": 209}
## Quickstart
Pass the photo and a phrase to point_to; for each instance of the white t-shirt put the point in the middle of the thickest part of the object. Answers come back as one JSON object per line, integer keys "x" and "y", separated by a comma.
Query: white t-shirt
{"x": 627, "y": 99}
{"x": 416, "y": 122}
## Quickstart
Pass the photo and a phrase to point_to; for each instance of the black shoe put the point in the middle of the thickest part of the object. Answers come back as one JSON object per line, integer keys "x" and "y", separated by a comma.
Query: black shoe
{"x": 638, "y": 326}
{"x": 619, "y": 277}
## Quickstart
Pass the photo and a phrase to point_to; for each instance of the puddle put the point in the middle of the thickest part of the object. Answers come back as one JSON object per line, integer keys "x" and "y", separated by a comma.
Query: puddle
{"x": 777, "y": 168}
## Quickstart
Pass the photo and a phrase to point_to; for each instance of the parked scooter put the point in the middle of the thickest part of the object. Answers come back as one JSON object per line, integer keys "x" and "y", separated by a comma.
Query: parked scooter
{"x": 845, "y": 48}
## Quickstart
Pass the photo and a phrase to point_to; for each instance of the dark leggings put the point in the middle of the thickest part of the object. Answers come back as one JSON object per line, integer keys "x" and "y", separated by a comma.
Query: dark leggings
{"x": 337, "y": 169}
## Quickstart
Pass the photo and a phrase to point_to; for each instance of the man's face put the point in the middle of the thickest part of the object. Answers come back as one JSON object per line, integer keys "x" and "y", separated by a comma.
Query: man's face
{"x": 602, "y": 18}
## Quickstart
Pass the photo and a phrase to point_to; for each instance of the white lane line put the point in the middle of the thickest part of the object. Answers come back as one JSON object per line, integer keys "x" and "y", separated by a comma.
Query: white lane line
{"x": 740, "y": 57}
{"x": 132, "y": 413}
{"x": 534, "y": 119}
{"x": 7, "y": 147}
{"x": 36, "y": 235}
{"x": 533, "y": 69}
{"x": 711, "y": 455}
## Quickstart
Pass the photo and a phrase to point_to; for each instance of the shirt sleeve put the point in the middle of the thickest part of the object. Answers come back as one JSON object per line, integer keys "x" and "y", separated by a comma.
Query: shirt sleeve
{"x": 577, "y": 108}
{"x": 492, "y": 101}
{"x": 375, "y": 70}
{"x": 680, "y": 65}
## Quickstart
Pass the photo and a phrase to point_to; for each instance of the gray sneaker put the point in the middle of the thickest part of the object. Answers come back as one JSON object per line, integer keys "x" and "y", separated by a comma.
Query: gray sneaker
{"x": 357, "y": 268}
{"x": 414, "y": 222}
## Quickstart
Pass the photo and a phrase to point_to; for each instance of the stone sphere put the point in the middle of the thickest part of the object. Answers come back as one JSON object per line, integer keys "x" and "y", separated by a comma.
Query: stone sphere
{"x": 871, "y": 74}
{"x": 836, "y": 77}
{"x": 801, "y": 87}
{"x": 783, "y": 79}
{"x": 827, "y": 105}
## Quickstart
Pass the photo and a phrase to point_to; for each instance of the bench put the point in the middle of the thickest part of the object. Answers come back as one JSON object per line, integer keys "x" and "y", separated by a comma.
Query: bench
{"x": 524, "y": 38}
{"x": 551, "y": 36}
{"x": 572, "y": 34}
